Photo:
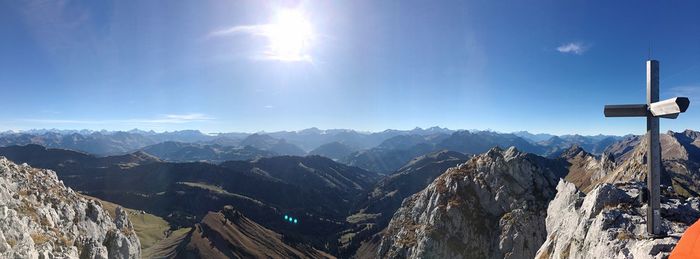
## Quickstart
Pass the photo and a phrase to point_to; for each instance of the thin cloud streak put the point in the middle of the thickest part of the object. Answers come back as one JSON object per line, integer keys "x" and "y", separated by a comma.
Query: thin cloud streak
{"x": 260, "y": 30}
{"x": 686, "y": 91}
{"x": 256, "y": 30}
{"x": 573, "y": 48}
{"x": 289, "y": 37}
{"x": 188, "y": 117}
{"x": 165, "y": 119}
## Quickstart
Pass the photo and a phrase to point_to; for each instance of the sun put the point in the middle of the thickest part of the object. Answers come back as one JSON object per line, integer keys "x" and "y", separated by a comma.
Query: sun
{"x": 290, "y": 36}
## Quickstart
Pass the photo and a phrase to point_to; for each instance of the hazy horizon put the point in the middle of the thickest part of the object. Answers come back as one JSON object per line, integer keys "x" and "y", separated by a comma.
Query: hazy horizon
{"x": 309, "y": 128}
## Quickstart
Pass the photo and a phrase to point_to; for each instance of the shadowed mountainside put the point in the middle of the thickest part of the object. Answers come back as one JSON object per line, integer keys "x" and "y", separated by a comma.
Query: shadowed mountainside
{"x": 278, "y": 146}
{"x": 229, "y": 234}
{"x": 192, "y": 152}
{"x": 318, "y": 189}
{"x": 334, "y": 150}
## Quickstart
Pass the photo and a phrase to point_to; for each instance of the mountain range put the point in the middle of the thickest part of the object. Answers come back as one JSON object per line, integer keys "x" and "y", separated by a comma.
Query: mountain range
{"x": 104, "y": 143}
{"x": 411, "y": 195}
{"x": 395, "y": 152}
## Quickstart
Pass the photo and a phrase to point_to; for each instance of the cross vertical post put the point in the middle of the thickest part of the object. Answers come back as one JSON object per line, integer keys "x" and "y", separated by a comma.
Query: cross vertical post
{"x": 653, "y": 152}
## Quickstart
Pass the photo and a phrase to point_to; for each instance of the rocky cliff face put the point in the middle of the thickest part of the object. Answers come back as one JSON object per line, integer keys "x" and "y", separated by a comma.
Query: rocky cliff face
{"x": 609, "y": 222}
{"x": 377, "y": 208}
{"x": 41, "y": 218}
{"x": 680, "y": 156}
{"x": 493, "y": 206}
{"x": 674, "y": 145}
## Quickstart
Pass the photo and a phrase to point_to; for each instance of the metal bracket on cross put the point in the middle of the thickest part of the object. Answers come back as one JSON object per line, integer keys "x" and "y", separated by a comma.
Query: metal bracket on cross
{"x": 652, "y": 110}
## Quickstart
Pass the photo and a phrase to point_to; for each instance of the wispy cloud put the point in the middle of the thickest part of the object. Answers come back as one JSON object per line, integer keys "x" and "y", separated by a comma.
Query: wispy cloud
{"x": 256, "y": 30}
{"x": 686, "y": 91}
{"x": 179, "y": 118}
{"x": 573, "y": 48}
{"x": 163, "y": 119}
{"x": 276, "y": 51}
{"x": 289, "y": 37}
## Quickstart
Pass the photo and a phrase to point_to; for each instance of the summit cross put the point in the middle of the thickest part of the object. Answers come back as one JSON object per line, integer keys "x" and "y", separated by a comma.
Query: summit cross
{"x": 652, "y": 110}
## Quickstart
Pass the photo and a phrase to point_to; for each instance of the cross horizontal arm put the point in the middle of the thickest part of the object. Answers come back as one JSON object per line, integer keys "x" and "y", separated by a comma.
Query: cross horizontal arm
{"x": 625, "y": 110}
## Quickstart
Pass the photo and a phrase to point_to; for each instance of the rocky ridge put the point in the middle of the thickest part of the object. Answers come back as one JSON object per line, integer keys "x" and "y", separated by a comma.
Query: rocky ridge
{"x": 492, "y": 206}
{"x": 609, "y": 222}
{"x": 585, "y": 169}
{"x": 377, "y": 208}
{"x": 626, "y": 162}
{"x": 41, "y": 218}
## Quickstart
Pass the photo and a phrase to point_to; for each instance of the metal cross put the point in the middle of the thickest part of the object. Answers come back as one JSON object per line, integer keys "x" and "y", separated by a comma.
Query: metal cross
{"x": 652, "y": 110}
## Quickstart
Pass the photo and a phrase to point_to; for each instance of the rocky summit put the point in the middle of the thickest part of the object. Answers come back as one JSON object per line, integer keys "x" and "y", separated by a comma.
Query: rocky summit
{"x": 497, "y": 204}
{"x": 493, "y": 206}
{"x": 41, "y": 218}
{"x": 609, "y": 222}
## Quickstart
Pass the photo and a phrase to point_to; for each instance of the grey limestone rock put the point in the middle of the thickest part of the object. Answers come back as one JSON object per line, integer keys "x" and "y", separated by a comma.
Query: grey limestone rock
{"x": 42, "y": 218}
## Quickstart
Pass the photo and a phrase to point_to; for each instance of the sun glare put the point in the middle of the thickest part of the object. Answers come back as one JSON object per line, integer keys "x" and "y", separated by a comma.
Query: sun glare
{"x": 290, "y": 35}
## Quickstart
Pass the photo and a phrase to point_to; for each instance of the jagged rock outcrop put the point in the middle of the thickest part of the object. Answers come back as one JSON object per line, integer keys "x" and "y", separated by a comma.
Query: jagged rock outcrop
{"x": 41, "y": 218}
{"x": 377, "y": 208}
{"x": 674, "y": 145}
{"x": 493, "y": 206}
{"x": 609, "y": 222}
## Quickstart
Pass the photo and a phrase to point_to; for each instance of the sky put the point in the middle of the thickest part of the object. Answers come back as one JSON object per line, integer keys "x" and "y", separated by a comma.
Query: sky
{"x": 223, "y": 66}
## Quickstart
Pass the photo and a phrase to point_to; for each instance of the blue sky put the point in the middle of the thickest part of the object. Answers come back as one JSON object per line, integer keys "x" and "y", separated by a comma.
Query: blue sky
{"x": 541, "y": 66}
